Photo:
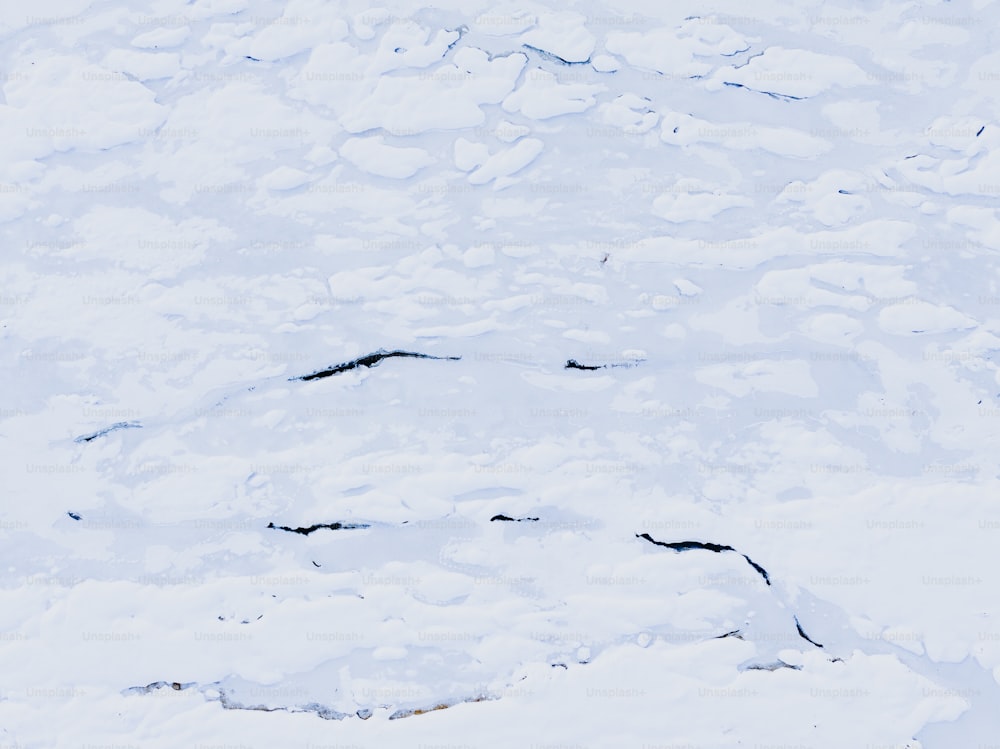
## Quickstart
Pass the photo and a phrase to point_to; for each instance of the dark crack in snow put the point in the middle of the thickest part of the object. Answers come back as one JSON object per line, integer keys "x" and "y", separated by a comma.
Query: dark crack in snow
{"x": 310, "y": 529}
{"x": 371, "y": 360}
{"x": 689, "y": 545}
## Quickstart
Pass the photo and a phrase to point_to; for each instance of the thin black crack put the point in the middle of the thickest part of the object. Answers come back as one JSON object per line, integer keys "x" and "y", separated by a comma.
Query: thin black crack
{"x": 311, "y": 528}
{"x": 761, "y": 570}
{"x": 106, "y": 430}
{"x": 554, "y": 57}
{"x": 735, "y": 633}
{"x": 368, "y": 361}
{"x": 688, "y": 545}
{"x": 779, "y": 97}
{"x": 73, "y": 515}
{"x": 981, "y": 131}
{"x": 803, "y": 634}
{"x": 509, "y": 519}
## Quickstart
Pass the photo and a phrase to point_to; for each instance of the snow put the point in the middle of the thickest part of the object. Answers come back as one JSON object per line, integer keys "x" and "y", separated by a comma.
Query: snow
{"x": 508, "y": 161}
{"x": 496, "y": 375}
{"x": 793, "y": 72}
{"x": 562, "y": 34}
{"x": 541, "y": 96}
{"x": 372, "y": 155}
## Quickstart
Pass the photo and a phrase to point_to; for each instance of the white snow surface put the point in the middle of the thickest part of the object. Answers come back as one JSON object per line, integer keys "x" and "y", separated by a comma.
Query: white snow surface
{"x": 659, "y": 405}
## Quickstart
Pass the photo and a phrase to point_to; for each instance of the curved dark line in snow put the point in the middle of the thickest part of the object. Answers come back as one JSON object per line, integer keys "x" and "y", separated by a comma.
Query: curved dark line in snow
{"x": 554, "y": 57}
{"x": 761, "y": 570}
{"x": 803, "y": 635}
{"x": 371, "y": 360}
{"x": 679, "y": 546}
{"x": 779, "y": 97}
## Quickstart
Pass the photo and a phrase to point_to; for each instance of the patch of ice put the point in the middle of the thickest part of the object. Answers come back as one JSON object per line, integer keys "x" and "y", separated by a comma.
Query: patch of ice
{"x": 162, "y": 38}
{"x": 373, "y": 156}
{"x": 702, "y": 206}
{"x": 448, "y": 98}
{"x": 605, "y": 63}
{"x": 284, "y": 178}
{"x": 143, "y": 65}
{"x": 684, "y": 130}
{"x": 507, "y": 162}
{"x": 541, "y": 96}
{"x": 563, "y": 34}
{"x": 922, "y": 318}
{"x": 469, "y": 155}
{"x": 799, "y": 73}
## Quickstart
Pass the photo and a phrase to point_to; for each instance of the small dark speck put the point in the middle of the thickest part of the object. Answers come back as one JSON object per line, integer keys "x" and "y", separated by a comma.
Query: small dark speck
{"x": 981, "y": 131}
{"x": 843, "y": 192}
{"x": 980, "y": 403}
{"x": 221, "y": 619}
{"x": 676, "y": 129}
{"x": 399, "y": 50}
{"x": 73, "y": 515}
{"x": 318, "y": 565}
{"x": 255, "y": 59}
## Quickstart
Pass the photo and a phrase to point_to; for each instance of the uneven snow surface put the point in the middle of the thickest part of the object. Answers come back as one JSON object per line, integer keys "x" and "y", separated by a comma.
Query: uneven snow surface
{"x": 511, "y": 375}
